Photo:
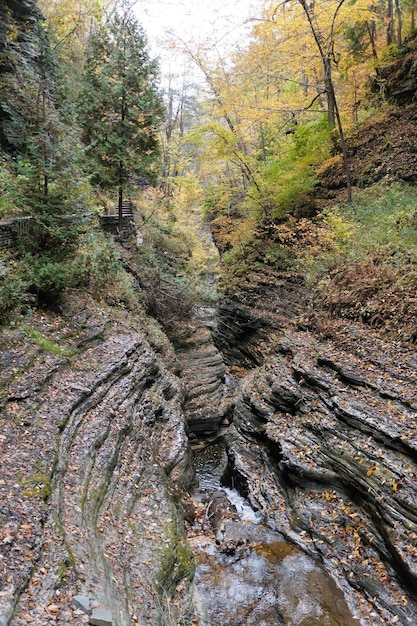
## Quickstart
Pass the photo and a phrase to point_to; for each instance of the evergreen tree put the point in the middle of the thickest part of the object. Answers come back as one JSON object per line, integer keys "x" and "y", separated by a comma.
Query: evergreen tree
{"x": 120, "y": 107}
{"x": 42, "y": 147}
{"x": 37, "y": 127}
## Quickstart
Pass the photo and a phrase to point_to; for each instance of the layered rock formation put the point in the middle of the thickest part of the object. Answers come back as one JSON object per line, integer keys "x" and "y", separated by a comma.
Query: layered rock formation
{"x": 397, "y": 78}
{"x": 96, "y": 464}
{"x": 324, "y": 444}
{"x": 202, "y": 374}
{"x": 94, "y": 469}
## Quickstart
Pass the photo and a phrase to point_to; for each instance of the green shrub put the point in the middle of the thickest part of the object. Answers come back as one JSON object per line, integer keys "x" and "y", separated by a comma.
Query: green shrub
{"x": 380, "y": 221}
{"x": 98, "y": 267}
{"x": 46, "y": 278}
{"x": 51, "y": 235}
{"x": 13, "y": 289}
{"x": 97, "y": 258}
{"x": 364, "y": 261}
{"x": 385, "y": 216}
{"x": 12, "y": 199}
{"x": 288, "y": 176}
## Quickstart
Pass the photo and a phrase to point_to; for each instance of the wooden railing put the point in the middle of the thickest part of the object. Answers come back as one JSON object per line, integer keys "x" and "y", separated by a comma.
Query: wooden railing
{"x": 12, "y": 229}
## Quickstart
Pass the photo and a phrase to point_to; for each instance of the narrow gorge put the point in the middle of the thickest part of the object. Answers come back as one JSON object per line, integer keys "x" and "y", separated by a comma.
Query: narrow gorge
{"x": 105, "y": 523}
{"x": 208, "y": 367}
{"x": 320, "y": 438}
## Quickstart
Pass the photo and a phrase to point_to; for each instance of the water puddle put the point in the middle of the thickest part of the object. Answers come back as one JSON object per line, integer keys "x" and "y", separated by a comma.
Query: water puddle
{"x": 264, "y": 582}
{"x": 267, "y": 585}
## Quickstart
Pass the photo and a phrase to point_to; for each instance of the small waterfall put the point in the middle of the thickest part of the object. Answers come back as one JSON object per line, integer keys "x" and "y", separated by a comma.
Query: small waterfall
{"x": 210, "y": 463}
{"x": 262, "y": 580}
{"x": 245, "y": 511}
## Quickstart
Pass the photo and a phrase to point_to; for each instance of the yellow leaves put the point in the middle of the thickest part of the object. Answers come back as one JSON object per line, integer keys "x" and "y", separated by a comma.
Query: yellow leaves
{"x": 373, "y": 468}
{"x": 330, "y": 496}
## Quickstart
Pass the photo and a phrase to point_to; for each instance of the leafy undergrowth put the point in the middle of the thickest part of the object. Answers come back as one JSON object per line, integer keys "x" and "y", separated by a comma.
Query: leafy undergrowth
{"x": 374, "y": 293}
{"x": 360, "y": 260}
{"x": 165, "y": 270}
{"x": 368, "y": 269}
{"x": 173, "y": 259}
{"x": 383, "y": 149}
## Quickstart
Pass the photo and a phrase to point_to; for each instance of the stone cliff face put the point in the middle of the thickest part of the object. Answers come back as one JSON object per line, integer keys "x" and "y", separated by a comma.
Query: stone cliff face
{"x": 95, "y": 460}
{"x": 18, "y": 50}
{"x": 324, "y": 444}
{"x": 202, "y": 374}
{"x": 397, "y": 77}
{"x": 95, "y": 465}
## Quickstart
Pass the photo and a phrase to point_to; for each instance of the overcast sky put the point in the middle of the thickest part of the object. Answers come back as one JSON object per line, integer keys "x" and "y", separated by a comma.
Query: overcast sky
{"x": 193, "y": 19}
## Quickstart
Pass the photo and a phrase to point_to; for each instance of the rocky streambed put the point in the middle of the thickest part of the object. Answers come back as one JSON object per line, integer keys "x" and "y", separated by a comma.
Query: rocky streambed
{"x": 323, "y": 443}
{"x": 101, "y": 518}
{"x": 249, "y": 574}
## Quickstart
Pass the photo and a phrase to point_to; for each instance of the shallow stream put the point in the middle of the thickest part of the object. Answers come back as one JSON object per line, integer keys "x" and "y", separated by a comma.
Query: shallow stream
{"x": 263, "y": 583}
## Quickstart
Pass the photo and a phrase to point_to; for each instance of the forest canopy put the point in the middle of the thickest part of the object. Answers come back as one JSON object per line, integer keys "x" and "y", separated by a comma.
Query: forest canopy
{"x": 85, "y": 125}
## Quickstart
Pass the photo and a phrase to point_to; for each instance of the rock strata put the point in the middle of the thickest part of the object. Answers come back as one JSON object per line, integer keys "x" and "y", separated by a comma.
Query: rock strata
{"x": 324, "y": 444}
{"x": 202, "y": 374}
{"x": 18, "y": 49}
{"x": 95, "y": 464}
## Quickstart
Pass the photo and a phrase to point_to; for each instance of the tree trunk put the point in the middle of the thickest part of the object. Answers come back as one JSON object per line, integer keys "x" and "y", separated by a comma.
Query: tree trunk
{"x": 390, "y": 23}
{"x": 328, "y": 85}
{"x": 344, "y": 153}
{"x": 399, "y": 22}
{"x": 120, "y": 208}
{"x": 371, "y": 28}
{"x": 122, "y": 172}
{"x": 325, "y": 47}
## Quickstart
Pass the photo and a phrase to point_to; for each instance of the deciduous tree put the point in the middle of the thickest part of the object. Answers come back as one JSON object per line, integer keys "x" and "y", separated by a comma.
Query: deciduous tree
{"x": 70, "y": 24}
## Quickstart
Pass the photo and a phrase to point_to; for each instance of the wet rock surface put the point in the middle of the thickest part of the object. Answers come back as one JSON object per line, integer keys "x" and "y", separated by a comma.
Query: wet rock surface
{"x": 268, "y": 585}
{"x": 247, "y": 573}
{"x": 97, "y": 525}
{"x": 94, "y": 468}
{"x": 247, "y": 326}
{"x": 323, "y": 443}
{"x": 202, "y": 375}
